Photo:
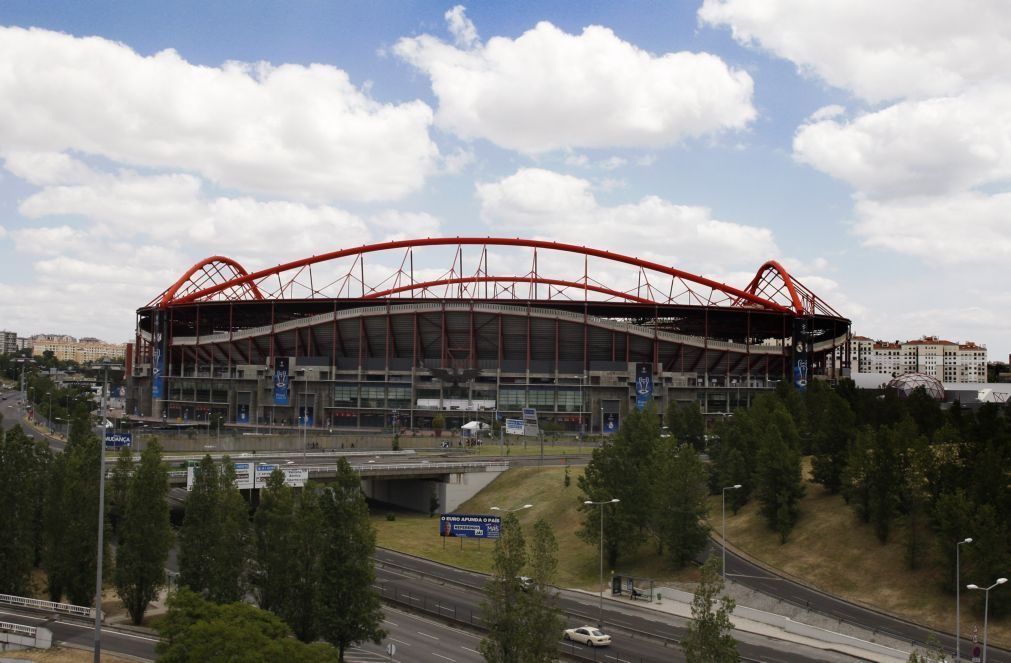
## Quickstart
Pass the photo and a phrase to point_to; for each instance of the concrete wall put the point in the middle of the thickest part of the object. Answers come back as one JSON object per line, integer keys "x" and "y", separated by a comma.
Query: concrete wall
{"x": 414, "y": 494}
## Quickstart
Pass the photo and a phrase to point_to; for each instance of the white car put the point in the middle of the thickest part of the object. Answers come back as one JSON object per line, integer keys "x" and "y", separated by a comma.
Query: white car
{"x": 588, "y": 635}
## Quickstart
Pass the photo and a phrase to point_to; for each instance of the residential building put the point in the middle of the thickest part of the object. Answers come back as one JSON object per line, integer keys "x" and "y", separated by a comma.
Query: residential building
{"x": 8, "y": 342}
{"x": 83, "y": 351}
{"x": 945, "y": 360}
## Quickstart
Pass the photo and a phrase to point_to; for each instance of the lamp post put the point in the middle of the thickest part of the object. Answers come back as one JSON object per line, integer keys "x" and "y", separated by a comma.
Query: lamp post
{"x": 723, "y": 535}
{"x": 958, "y": 602}
{"x": 986, "y": 606}
{"x": 600, "y": 620}
{"x": 50, "y": 417}
{"x": 101, "y": 519}
{"x": 519, "y": 508}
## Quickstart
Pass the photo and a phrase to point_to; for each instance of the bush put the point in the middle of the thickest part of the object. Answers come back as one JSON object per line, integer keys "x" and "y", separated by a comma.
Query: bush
{"x": 391, "y": 517}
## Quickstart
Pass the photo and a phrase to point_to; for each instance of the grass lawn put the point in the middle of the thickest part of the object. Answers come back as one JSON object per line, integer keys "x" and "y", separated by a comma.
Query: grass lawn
{"x": 578, "y": 561}
{"x": 829, "y": 549}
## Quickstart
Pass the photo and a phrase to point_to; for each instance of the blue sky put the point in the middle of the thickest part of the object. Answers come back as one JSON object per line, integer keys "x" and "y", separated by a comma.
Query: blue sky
{"x": 866, "y": 149}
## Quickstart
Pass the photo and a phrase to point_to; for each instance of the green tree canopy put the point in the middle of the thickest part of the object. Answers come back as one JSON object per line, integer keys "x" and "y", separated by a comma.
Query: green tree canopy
{"x": 710, "y": 638}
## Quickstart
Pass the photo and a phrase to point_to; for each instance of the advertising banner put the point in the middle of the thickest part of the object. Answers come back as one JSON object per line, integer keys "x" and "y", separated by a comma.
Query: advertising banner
{"x": 294, "y": 477}
{"x": 530, "y": 426}
{"x": 514, "y": 426}
{"x": 305, "y": 416}
{"x": 801, "y": 354}
{"x": 243, "y": 476}
{"x": 611, "y": 422}
{"x": 118, "y": 440}
{"x": 280, "y": 380}
{"x": 643, "y": 385}
{"x": 157, "y": 360}
{"x": 470, "y": 526}
{"x": 242, "y": 413}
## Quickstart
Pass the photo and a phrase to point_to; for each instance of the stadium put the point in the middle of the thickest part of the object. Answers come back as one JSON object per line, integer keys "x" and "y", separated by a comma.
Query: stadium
{"x": 367, "y": 338}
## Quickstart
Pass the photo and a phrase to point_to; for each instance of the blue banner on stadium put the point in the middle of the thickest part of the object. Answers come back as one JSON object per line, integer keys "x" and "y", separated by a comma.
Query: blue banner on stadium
{"x": 157, "y": 360}
{"x": 280, "y": 380}
{"x": 801, "y": 352}
{"x": 611, "y": 422}
{"x": 643, "y": 384}
{"x": 305, "y": 416}
{"x": 470, "y": 526}
{"x": 242, "y": 414}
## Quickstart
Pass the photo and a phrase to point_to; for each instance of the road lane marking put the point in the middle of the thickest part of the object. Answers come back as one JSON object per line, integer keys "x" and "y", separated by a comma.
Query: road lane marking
{"x": 469, "y": 649}
{"x": 427, "y": 635}
{"x": 406, "y": 644}
{"x": 445, "y": 657}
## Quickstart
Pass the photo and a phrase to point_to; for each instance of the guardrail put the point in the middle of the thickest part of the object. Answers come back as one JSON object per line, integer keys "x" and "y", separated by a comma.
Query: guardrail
{"x": 489, "y": 466}
{"x": 19, "y": 629}
{"x": 48, "y": 606}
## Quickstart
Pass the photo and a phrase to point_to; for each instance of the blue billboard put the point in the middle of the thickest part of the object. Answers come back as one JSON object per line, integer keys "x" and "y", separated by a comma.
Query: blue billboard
{"x": 611, "y": 422}
{"x": 643, "y": 385}
{"x": 470, "y": 526}
{"x": 280, "y": 381}
{"x": 157, "y": 359}
{"x": 118, "y": 440}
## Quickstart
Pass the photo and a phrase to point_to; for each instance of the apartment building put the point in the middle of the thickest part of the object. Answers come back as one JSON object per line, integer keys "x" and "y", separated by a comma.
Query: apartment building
{"x": 945, "y": 360}
{"x": 83, "y": 351}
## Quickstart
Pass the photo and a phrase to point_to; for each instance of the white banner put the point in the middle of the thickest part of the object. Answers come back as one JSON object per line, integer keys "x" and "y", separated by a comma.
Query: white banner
{"x": 514, "y": 427}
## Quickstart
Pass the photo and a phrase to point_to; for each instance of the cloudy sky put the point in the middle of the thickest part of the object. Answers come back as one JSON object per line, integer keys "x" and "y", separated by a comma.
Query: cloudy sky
{"x": 864, "y": 145}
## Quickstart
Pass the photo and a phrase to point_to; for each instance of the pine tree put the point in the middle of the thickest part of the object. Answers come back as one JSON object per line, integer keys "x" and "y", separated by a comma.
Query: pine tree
{"x": 350, "y": 610}
{"x": 709, "y": 638}
{"x": 680, "y": 501}
{"x": 145, "y": 534}
{"x": 779, "y": 483}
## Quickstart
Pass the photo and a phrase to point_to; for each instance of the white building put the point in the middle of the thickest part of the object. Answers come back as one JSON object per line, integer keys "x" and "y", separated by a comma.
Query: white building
{"x": 82, "y": 351}
{"x": 945, "y": 360}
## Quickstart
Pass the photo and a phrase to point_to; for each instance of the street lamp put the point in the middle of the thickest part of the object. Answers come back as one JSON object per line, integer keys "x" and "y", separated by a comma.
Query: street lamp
{"x": 723, "y": 535}
{"x": 101, "y": 518}
{"x": 519, "y": 508}
{"x": 986, "y": 606}
{"x": 958, "y": 602}
{"x": 600, "y": 621}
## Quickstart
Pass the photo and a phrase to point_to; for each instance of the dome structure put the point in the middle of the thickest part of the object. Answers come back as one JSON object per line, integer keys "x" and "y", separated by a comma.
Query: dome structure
{"x": 907, "y": 383}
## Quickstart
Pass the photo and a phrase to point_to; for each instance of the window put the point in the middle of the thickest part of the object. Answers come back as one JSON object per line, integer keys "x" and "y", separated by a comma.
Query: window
{"x": 373, "y": 396}
{"x": 512, "y": 398}
{"x": 345, "y": 394}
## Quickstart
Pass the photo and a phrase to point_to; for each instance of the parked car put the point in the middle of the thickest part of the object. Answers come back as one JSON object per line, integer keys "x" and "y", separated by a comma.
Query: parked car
{"x": 588, "y": 635}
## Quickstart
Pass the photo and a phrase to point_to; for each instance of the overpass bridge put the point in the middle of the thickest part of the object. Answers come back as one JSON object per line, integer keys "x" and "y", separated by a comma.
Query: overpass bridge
{"x": 402, "y": 480}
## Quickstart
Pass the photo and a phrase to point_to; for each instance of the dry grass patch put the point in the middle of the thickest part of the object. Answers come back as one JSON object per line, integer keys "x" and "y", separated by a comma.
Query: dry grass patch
{"x": 61, "y": 655}
{"x": 833, "y": 550}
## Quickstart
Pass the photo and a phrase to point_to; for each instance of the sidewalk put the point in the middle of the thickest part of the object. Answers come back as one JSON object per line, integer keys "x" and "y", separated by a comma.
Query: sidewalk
{"x": 800, "y": 626}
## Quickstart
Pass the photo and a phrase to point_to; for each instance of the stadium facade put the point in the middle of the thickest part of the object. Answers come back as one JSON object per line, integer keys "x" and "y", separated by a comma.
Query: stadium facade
{"x": 361, "y": 338}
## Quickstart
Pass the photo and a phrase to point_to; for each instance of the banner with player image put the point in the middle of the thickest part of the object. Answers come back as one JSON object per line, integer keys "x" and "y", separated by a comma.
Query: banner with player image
{"x": 801, "y": 360}
{"x": 280, "y": 380}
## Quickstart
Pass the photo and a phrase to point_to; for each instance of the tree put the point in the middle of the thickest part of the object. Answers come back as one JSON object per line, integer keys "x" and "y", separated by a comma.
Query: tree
{"x": 214, "y": 537}
{"x": 779, "y": 483}
{"x": 71, "y": 510}
{"x": 196, "y": 631}
{"x": 350, "y": 608}
{"x": 289, "y": 535}
{"x": 504, "y": 605}
{"x": 680, "y": 501}
{"x": 709, "y": 638}
{"x": 145, "y": 536}
{"x": 118, "y": 489}
{"x": 24, "y": 466}
{"x": 621, "y": 469}
{"x": 686, "y": 424}
{"x": 831, "y": 427}
{"x": 543, "y": 615}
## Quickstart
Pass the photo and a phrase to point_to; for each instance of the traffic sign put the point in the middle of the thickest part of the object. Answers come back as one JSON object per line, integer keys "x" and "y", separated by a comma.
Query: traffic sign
{"x": 391, "y": 649}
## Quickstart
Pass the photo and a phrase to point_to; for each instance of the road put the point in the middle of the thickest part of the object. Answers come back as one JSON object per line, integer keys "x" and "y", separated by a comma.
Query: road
{"x": 755, "y": 577}
{"x": 641, "y": 634}
{"x": 81, "y": 633}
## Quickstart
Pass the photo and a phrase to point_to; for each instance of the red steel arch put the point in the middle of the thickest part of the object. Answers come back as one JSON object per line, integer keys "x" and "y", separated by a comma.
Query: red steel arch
{"x": 773, "y": 282}
{"x": 209, "y": 270}
{"x": 771, "y": 289}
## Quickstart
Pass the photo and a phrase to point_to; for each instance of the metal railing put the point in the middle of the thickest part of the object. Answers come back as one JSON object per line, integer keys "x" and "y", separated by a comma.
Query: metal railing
{"x": 18, "y": 629}
{"x": 48, "y": 606}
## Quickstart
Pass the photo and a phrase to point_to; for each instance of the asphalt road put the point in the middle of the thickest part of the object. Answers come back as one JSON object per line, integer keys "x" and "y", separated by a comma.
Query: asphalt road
{"x": 640, "y": 634}
{"x": 755, "y": 577}
{"x": 81, "y": 633}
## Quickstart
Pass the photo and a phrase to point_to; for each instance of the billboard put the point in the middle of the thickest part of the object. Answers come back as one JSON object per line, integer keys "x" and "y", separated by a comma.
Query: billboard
{"x": 514, "y": 427}
{"x": 294, "y": 477}
{"x": 530, "y": 426}
{"x": 611, "y": 422}
{"x": 118, "y": 440}
{"x": 469, "y": 526}
{"x": 280, "y": 380}
{"x": 242, "y": 413}
{"x": 643, "y": 384}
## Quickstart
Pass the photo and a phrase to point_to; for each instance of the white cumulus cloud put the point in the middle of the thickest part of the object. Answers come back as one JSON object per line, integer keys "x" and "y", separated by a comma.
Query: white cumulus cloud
{"x": 544, "y": 204}
{"x": 877, "y": 50}
{"x": 548, "y": 90}
{"x": 300, "y": 132}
